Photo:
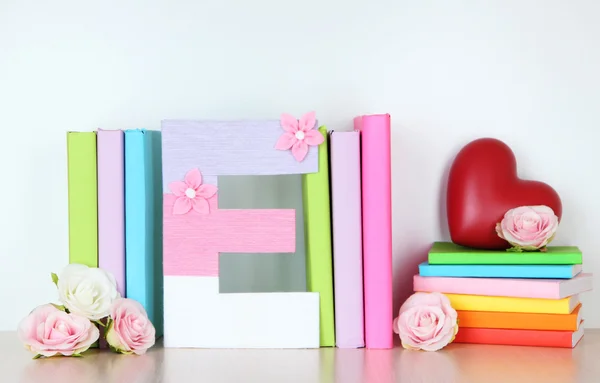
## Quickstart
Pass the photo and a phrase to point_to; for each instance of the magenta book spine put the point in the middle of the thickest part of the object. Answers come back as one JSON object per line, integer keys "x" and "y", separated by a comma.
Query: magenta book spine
{"x": 375, "y": 134}
{"x": 347, "y": 239}
{"x": 111, "y": 205}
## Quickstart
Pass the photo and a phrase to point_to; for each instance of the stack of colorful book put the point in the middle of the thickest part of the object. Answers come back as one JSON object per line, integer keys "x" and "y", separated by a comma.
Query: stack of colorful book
{"x": 510, "y": 298}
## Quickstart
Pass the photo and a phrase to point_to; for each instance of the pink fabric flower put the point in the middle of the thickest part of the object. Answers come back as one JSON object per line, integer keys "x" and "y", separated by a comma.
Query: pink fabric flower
{"x": 426, "y": 321}
{"x": 48, "y": 331}
{"x": 192, "y": 194}
{"x": 299, "y": 135}
{"x": 130, "y": 331}
{"x": 528, "y": 227}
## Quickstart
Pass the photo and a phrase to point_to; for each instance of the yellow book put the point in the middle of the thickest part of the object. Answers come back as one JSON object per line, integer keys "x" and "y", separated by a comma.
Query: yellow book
{"x": 511, "y": 304}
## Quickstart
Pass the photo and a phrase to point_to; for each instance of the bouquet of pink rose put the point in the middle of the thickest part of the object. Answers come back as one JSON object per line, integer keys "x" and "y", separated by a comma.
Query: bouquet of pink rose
{"x": 89, "y": 297}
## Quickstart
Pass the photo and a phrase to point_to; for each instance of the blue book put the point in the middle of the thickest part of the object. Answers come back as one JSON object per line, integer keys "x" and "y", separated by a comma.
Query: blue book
{"x": 143, "y": 222}
{"x": 500, "y": 271}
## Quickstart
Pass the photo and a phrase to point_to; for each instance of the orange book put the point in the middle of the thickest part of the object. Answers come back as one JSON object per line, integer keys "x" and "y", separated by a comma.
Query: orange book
{"x": 521, "y": 321}
{"x": 510, "y": 337}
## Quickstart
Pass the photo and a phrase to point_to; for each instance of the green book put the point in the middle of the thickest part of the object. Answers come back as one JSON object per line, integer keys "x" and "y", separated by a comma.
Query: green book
{"x": 83, "y": 198}
{"x": 448, "y": 253}
{"x": 317, "y": 222}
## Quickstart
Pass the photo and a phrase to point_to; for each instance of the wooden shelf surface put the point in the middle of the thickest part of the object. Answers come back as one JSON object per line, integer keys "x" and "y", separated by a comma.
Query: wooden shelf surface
{"x": 461, "y": 363}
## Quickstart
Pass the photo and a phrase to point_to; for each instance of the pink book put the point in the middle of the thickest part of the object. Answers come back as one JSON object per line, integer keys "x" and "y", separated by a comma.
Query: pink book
{"x": 347, "y": 239}
{"x": 111, "y": 207}
{"x": 506, "y": 287}
{"x": 377, "y": 228}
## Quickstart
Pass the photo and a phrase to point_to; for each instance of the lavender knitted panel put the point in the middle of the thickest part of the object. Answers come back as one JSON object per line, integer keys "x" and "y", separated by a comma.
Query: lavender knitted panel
{"x": 222, "y": 148}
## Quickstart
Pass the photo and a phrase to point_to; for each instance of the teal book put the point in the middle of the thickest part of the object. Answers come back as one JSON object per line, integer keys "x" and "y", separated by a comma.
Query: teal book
{"x": 143, "y": 222}
{"x": 500, "y": 271}
{"x": 448, "y": 253}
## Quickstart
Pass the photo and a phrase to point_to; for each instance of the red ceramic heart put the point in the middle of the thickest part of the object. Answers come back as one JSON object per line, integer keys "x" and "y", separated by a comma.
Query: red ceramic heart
{"x": 482, "y": 186}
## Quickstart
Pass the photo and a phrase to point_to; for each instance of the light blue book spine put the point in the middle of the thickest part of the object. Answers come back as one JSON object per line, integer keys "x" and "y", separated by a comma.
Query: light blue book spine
{"x": 143, "y": 222}
{"x": 498, "y": 271}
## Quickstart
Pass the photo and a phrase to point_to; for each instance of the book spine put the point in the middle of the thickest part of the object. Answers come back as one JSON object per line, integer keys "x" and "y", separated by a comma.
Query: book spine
{"x": 498, "y": 271}
{"x": 143, "y": 252}
{"x": 521, "y": 321}
{"x": 111, "y": 205}
{"x": 317, "y": 221}
{"x": 524, "y": 288}
{"x": 515, "y": 337}
{"x": 347, "y": 239}
{"x": 83, "y": 198}
{"x": 135, "y": 217}
{"x": 154, "y": 189}
{"x": 377, "y": 228}
{"x": 451, "y": 253}
{"x": 509, "y": 304}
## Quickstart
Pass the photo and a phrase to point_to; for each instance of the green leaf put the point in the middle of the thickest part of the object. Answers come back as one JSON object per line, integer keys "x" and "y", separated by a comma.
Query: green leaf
{"x": 60, "y": 307}
{"x": 37, "y": 356}
{"x": 54, "y": 278}
{"x": 515, "y": 249}
{"x": 77, "y": 355}
{"x": 109, "y": 324}
{"x": 99, "y": 323}
{"x": 113, "y": 349}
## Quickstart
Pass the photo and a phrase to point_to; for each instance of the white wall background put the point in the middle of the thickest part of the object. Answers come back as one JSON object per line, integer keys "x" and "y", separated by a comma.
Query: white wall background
{"x": 524, "y": 71}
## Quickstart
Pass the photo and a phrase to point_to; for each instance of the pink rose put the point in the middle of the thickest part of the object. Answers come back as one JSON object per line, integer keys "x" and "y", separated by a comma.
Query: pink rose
{"x": 528, "y": 227}
{"x": 130, "y": 331}
{"x": 427, "y": 322}
{"x": 48, "y": 331}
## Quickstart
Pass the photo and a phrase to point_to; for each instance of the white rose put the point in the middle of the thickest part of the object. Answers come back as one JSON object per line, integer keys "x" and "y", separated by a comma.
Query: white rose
{"x": 87, "y": 291}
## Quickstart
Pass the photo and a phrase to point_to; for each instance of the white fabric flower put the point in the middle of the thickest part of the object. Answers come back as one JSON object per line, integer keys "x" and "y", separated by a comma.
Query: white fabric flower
{"x": 87, "y": 291}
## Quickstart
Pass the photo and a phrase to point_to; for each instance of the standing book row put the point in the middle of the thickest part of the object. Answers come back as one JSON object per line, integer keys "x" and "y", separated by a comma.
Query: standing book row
{"x": 509, "y": 298}
{"x": 143, "y": 205}
{"x": 115, "y": 214}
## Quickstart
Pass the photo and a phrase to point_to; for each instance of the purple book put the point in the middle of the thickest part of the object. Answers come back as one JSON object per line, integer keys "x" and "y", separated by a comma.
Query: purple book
{"x": 347, "y": 239}
{"x": 111, "y": 206}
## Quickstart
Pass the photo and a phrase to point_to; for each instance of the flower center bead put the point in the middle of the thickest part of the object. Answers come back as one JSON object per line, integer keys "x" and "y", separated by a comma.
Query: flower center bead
{"x": 300, "y": 135}
{"x": 190, "y": 193}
